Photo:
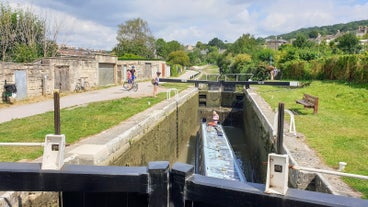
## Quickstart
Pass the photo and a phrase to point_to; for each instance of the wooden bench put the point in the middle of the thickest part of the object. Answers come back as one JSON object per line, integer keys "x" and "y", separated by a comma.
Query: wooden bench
{"x": 309, "y": 101}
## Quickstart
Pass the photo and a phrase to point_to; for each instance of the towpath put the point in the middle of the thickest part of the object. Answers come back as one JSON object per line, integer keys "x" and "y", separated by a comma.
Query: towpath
{"x": 18, "y": 111}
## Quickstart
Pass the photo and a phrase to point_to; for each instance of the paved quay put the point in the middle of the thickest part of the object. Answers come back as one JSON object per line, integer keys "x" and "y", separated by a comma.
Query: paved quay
{"x": 116, "y": 92}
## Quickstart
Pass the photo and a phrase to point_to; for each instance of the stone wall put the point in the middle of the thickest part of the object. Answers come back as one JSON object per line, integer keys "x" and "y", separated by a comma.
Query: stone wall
{"x": 259, "y": 134}
{"x": 155, "y": 134}
{"x": 165, "y": 134}
{"x": 45, "y": 75}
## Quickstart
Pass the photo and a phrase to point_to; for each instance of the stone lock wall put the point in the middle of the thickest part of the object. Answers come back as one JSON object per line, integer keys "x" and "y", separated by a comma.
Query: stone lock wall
{"x": 171, "y": 130}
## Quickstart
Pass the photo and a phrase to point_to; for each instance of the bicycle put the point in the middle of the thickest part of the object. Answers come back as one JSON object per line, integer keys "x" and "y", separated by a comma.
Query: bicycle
{"x": 82, "y": 84}
{"x": 130, "y": 86}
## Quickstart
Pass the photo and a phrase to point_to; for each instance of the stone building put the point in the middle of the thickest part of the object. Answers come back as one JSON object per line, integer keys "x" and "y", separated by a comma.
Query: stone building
{"x": 64, "y": 72}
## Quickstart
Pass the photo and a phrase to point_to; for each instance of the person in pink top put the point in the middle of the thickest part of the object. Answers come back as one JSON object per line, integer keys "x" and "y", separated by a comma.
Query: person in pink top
{"x": 215, "y": 117}
{"x": 129, "y": 76}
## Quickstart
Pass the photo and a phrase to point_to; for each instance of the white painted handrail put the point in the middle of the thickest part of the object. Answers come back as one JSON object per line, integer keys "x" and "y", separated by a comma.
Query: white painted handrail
{"x": 26, "y": 144}
{"x": 292, "y": 128}
{"x": 168, "y": 93}
{"x": 330, "y": 172}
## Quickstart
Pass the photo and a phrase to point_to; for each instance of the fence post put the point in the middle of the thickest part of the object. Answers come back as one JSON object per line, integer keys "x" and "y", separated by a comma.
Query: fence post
{"x": 158, "y": 183}
{"x": 280, "y": 129}
{"x": 57, "y": 112}
{"x": 178, "y": 175}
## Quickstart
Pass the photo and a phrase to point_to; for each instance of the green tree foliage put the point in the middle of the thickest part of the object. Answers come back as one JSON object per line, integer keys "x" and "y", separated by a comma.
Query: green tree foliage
{"x": 224, "y": 63}
{"x": 245, "y": 44}
{"x": 216, "y": 42}
{"x": 23, "y": 36}
{"x": 212, "y": 55}
{"x": 134, "y": 37}
{"x": 161, "y": 48}
{"x": 349, "y": 43}
{"x": 196, "y": 57}
{"x": 301, "y": 41}
{"x": 178, "y": 57}
{"x": 164, "y": 48}
{"x": 241, "y": 63}
{"x": 240, "y": 55}
{"x": 201, "y": 46}
{"x": 313, "y": 34}
{"x": 265, "y": 55}
{"x": 24, "y": 53}
{"x": 325, "y": 30}
{"x": 174, "y": 46}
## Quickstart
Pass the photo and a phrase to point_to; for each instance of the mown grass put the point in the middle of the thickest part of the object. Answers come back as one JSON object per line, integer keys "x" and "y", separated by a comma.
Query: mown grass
{"x": 76, "y": 123}
{"x": 339, "y": 131}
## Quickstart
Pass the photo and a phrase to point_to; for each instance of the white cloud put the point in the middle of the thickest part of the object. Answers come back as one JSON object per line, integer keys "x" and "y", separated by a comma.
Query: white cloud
{"x": 93, "y": 24}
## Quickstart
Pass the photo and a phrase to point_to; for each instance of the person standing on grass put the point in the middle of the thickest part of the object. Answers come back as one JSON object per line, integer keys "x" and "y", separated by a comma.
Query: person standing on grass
{"x": 155, "y": 83}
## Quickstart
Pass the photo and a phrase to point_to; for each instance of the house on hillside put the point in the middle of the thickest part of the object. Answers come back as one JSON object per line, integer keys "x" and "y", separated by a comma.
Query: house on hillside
{"x": 275, "y": 43}
{"x": 362, "y": 30}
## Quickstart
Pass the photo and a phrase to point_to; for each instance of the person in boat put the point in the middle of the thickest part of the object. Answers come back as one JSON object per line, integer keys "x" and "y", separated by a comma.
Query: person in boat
{"x": 215, "y": 119}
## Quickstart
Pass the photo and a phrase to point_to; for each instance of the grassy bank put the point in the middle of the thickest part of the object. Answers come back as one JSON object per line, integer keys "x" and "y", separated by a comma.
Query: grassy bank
{"x": 339, "y": 131}
{"x": 76, "y": 123}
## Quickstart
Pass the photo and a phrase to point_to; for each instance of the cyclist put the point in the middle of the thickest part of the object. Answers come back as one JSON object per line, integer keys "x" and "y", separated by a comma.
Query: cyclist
{"x": 130, "y": 78}
{"x": 133, "y": 73}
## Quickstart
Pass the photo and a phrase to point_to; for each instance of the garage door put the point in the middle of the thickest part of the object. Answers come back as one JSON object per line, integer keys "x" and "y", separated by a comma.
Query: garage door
{"x": 105, "y": 74}
{"x": 21, "y": 84}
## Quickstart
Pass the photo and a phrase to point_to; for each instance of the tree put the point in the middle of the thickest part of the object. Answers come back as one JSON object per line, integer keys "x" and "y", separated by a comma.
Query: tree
{"x": 213, "y": 54}
{"x": 313, "y": 34}
{"x": 245, "y": 44}
{"x": 195, "y": 57}
{"x": 348, "y": 43}
{"x": 134, "y": 37}
{"x": 174, "y": 46}
{"x": 301, "y": 42}
{"x": 23, "y": 36}
{"x": 7, "y": 33}
{"x": 178, "y": 57}
{"x": 161, "y": 48}
{"x": 217, "y": 43}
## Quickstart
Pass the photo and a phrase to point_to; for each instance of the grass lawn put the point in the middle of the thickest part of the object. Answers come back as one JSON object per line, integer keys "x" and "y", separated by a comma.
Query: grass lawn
{"x": 339, "y": 131}
{"x": 76, "y": 123}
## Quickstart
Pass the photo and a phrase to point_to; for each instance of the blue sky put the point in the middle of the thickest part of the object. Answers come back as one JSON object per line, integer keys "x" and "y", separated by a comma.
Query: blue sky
{"x": 94, "y": 23}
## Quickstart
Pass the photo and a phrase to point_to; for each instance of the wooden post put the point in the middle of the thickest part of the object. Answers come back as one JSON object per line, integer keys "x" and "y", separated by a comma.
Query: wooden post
{"x": 280, "y": 129}
{"x": 57, "y": 111}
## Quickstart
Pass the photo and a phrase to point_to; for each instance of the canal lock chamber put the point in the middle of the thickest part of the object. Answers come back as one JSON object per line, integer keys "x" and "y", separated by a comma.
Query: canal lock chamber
{"x": 173, "y": 132}
{"x": 169, "y": 130}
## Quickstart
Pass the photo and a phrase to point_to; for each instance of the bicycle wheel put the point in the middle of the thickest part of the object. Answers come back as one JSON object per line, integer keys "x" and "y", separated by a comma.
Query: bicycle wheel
{"x": 86, "y": 86}
{"x": 135, "y": 86}
{"x": 126, "y": 86}
{"x": 78, "y": 88}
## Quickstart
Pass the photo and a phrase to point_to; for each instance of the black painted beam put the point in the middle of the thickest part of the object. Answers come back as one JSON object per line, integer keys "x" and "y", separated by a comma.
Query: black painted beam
{"x": 275, "y": 83}
{"x": 207, "y": 191}
{"x": 30, "y": 177}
